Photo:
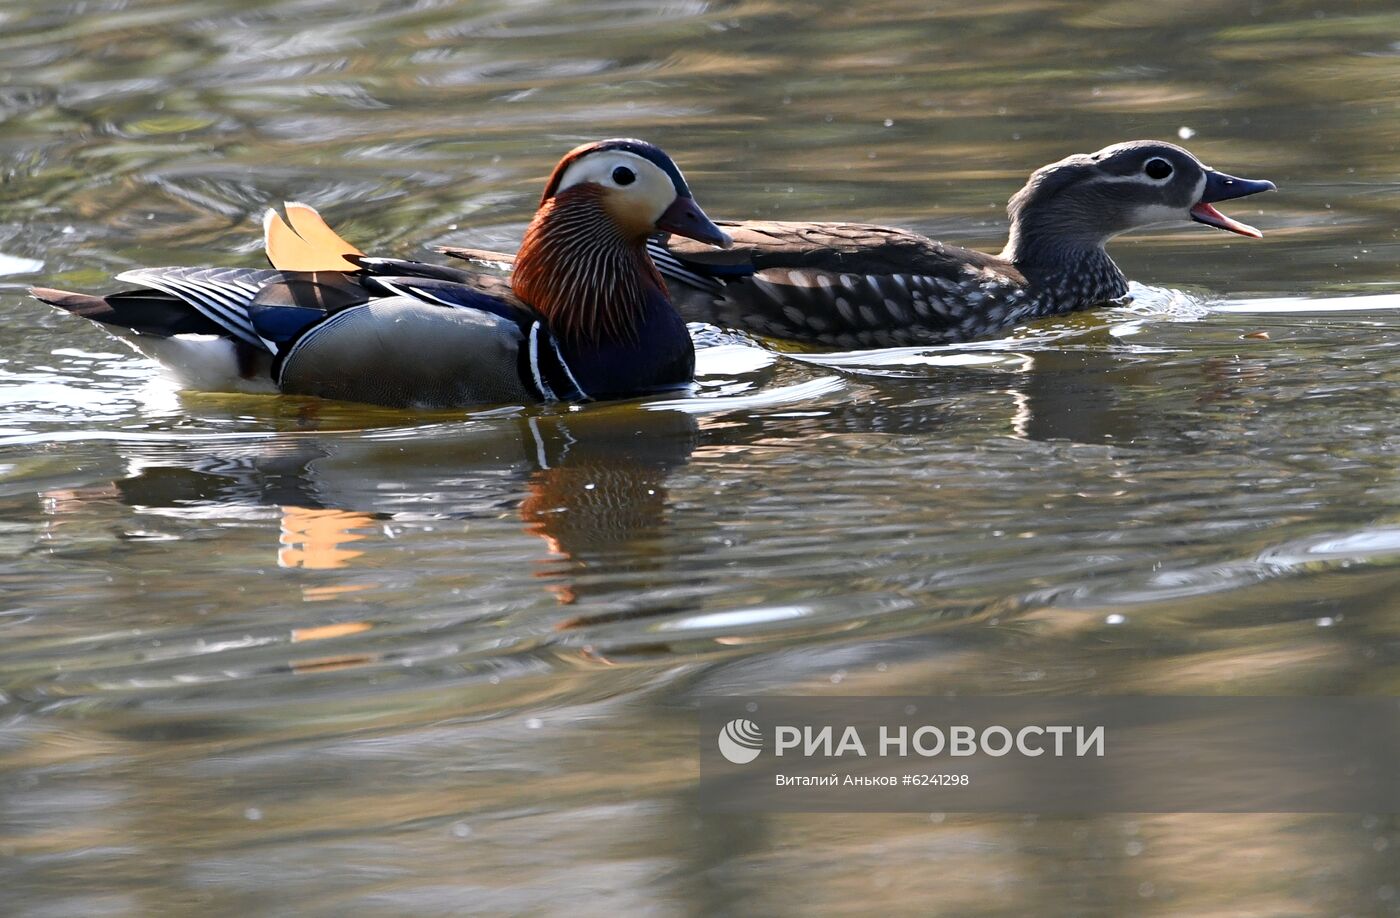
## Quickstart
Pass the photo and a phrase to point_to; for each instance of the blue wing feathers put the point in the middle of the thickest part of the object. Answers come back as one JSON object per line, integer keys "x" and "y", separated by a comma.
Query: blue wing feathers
{"x": 282, "y": 325}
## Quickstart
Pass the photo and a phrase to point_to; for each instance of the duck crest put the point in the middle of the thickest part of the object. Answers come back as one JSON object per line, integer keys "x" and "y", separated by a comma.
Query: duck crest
{"x": 579, "y": 270}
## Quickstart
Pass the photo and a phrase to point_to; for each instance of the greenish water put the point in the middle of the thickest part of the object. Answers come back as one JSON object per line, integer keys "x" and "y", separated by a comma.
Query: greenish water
{"x": 274, "y": 656}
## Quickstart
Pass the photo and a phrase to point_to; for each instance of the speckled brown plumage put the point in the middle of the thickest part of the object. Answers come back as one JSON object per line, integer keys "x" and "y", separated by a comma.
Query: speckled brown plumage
{"x": 854, "y": 285}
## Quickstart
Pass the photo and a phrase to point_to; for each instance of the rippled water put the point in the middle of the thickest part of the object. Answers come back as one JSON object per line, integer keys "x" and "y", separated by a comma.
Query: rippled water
{"x": 278, "y": 656}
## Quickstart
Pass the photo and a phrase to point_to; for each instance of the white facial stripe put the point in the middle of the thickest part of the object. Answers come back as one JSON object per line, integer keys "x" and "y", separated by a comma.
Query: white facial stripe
{"x": 1151, "y": 214}
{"x": 651, "y": 193}
{"x": 1128, "y": 180}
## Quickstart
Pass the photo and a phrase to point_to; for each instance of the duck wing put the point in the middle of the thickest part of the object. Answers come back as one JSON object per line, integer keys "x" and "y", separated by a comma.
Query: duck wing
{"x": 843, "y": 284}
{"x": 219, "y": 295}
{"x": 841, "y": 247}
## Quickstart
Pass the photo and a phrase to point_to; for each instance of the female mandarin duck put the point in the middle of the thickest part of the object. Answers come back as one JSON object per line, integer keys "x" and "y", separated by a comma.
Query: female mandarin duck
{"x": 854, "y": 285}
{"x": 585, "y": 315}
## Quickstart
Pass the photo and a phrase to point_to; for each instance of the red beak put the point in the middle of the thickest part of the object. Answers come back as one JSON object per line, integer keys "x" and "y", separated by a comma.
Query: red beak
{"x": 685, "y": 218}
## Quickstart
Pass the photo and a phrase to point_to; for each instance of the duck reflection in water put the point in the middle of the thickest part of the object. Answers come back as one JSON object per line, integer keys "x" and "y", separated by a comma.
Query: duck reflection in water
{"x": 599, "y": 499}
{"x": 591, "y": 484}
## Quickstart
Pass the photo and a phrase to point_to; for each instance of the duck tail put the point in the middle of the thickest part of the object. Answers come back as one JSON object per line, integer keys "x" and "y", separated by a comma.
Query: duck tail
{"x": 146, "y": 312}
{"x": 79, "y": 304}
{"x": 303, "y": 241}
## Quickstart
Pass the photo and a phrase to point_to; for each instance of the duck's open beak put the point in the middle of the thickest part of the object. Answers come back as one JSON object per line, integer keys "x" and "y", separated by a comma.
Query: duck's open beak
{"x": 1222, "y": 187}
{"x": 685, "y": 218}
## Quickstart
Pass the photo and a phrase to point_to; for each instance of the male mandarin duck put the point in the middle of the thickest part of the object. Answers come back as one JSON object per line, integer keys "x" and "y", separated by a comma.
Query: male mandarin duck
{"x": 855, "y": 285}
{"x": 584, "y": 315}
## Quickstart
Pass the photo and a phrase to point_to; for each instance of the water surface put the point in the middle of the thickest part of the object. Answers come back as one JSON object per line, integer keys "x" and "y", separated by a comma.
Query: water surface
{"x": 281, "y": 656}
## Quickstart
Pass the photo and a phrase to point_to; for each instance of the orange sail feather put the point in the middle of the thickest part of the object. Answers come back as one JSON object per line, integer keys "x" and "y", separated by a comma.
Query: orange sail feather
{"x": 306, "y": 243}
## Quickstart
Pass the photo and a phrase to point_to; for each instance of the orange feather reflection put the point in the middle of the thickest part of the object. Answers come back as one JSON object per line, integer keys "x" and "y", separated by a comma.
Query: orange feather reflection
{"x": 314, "y": 538}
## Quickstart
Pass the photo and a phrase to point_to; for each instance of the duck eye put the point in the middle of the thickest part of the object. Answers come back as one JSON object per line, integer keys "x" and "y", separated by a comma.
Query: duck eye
{"x": 1157, "y": 168}
{"x": 624, "y": 176}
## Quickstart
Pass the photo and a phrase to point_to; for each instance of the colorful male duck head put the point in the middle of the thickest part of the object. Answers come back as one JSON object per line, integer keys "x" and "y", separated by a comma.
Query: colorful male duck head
{"x": 583, "y": 261}
{"x": 641, "y": 188}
